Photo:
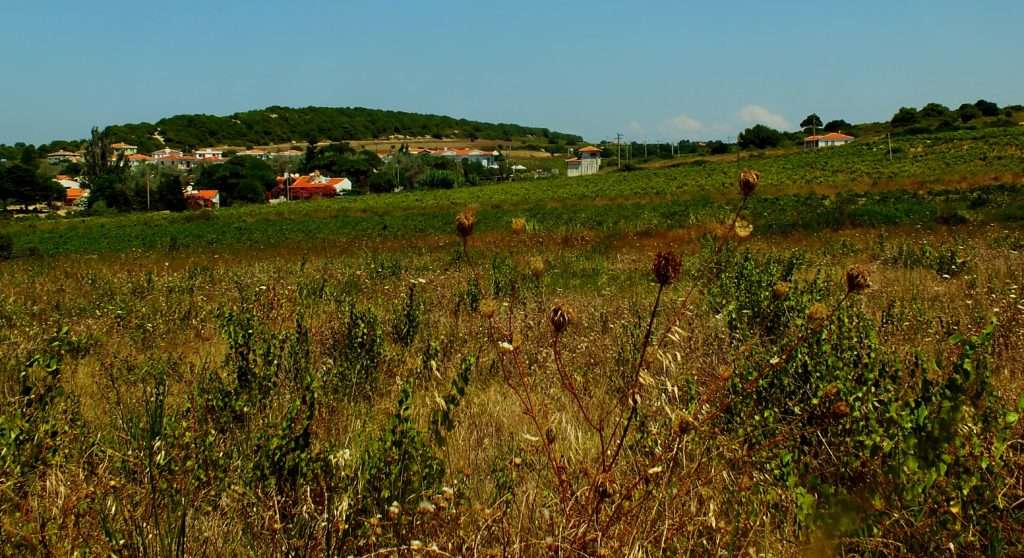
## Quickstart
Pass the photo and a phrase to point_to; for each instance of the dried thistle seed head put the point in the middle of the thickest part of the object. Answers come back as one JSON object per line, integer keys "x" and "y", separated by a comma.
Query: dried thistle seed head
{"x": 684, "y": 424}
{"x": 857, "y": 279}
{"x": 394, "y": 510}
{"x": 666, "y": 267}
{"x": 488, "y": 307}
{"x": 724, "y": 373}
{"x": 748, "y": 181}
{"x": 742, "y": 228}
{"x": 425, "y": 507}
{"x": 817, "y": 314}
{"x": 537, "y": 267}
{"x": 464, "y": 223}
{"x": 518, "y": 226}
{"x": 559, "y": 318}
{"x": 841, "y": 409}
{"x": 780, "y": 290}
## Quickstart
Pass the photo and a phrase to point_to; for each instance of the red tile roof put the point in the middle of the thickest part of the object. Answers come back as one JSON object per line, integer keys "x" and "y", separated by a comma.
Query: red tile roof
{"x": 829, "y": 137}
{"x": 589, "y": 149}
{"x": 138, "y": 157}
{"x": 206, "y": 194}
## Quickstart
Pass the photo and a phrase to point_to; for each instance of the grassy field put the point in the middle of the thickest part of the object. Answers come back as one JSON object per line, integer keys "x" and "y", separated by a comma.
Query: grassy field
{"x": 627, "y": 371}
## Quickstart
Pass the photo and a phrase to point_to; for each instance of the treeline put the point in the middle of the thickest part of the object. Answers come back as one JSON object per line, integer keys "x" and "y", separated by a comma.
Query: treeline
{"x": 276, "y": 125}
{"x": 932, "y": 117}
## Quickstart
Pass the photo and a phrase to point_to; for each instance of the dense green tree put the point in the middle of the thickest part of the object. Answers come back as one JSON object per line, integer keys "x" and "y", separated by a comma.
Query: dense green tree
{"x": 99, "y": 158}
{"x": 170, "y": 196}
{"x": 760, "y": 137}
{"x": 25, "y": 187}
{"x": 437, "y": 180}
{"x": 29, "y": 156}
{"x": 968, "y": 112}
{"x": 987, "y": 108}
{"x": 813, "y": 121}
{"x": 906, "y": 116}
{"x": 246, "y": 179}
{"x": 5, "y": 189}
{"x": 934, "y": 110}
{"x": 837, "y": 126}
{"x": 110, "y": 191}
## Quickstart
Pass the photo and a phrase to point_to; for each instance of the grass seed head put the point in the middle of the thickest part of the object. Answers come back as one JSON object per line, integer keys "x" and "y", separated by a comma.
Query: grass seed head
{"x": 666, "y": 267}
{"x": 559, "y": 318}
{"x": 748, "y": 181}
{"x": 857, "y": 279}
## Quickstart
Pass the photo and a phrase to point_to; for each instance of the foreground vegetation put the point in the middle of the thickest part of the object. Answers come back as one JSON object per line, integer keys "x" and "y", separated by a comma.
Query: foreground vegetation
{"x": 648, "y": 363}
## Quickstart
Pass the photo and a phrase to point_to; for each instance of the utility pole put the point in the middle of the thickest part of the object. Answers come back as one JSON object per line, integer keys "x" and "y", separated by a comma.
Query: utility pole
{"x": 147, "y": 190}
{"x": 618, "y": 150}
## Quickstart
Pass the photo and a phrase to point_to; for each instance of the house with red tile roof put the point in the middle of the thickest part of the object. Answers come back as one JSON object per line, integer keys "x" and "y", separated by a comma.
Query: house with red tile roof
{"x": 137, "y": 159}
{"x": 295, "y": 187}
{"x": 200, "y": 199}
{"x": 833, "y": 139}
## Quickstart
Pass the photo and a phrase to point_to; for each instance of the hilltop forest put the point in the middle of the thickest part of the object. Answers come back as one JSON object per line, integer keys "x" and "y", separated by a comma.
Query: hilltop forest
{"x": 276, "y": 125}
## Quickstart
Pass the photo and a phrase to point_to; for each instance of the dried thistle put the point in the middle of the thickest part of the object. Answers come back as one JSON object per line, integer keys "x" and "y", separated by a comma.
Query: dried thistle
{"x": 841, "y": 409}
{"x": 464, "y": 223}
{"x": 857, "y": 279}
{"x": 780, "y": 290}
{"x": 488, "y": 307}
{"x": 559, "y": 319}
{"x": 666, "y": 267}
{"x": 748, "y": 182}
{"x": 817, "y": 314}
{"x": 518, "y": 226}
{"x": 537, "y": 267}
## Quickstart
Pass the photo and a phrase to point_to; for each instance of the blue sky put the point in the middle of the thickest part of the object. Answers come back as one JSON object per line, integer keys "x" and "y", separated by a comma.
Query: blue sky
{"x": 651, "y": 70}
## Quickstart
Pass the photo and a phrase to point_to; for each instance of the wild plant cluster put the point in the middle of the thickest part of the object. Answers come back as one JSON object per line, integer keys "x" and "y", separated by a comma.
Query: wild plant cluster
{"x": 519, "y": 394}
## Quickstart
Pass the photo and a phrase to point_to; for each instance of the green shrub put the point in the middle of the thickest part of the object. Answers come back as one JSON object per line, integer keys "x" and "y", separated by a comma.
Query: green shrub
{"x": 356, "y": 353}
{"x": 399, "y": 465}
{"x": 407, "y": 323}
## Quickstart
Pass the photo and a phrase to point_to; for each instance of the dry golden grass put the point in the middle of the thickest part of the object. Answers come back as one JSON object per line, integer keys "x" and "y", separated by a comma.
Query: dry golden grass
{"x": 133, "y": 312}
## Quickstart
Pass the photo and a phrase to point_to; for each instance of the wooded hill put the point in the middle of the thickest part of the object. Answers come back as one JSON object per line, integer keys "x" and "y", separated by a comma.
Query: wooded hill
{"x": 277, "y": 125}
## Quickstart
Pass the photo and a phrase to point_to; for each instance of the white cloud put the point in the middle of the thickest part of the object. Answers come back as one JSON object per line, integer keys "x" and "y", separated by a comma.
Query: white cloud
{"x": 634, "y": 127}
{"x": 755, "y": 114}
{"x": 686, "y": 124}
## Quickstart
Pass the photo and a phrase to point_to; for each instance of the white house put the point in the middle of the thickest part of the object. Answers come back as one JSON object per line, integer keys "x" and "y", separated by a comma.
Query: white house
{"x": 257, "y": 153}
{"x": 587, "y": 161}
{"x": 208, "y": 153}
{"x": 833, "y": 139}
{"x": 62, "y": 156}
{"x": 165, "y": 153}
{"x": 124, "y": 149}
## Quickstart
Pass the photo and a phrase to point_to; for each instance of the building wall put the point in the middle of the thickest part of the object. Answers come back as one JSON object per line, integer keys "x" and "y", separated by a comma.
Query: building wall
{"x": 584, "y": 167}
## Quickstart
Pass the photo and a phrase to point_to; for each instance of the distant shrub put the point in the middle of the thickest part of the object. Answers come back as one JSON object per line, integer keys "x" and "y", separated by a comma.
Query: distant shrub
{"x": 438, "y": 180}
